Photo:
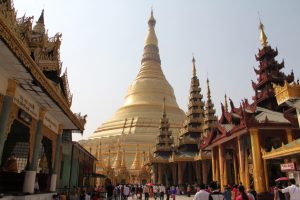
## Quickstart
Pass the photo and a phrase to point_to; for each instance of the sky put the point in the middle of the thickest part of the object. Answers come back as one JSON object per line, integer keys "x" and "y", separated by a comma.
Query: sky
{"x": 102, "y": 46}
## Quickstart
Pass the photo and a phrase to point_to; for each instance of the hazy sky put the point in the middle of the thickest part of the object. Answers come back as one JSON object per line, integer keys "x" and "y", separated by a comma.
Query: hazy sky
{"x": 103, "y": 44}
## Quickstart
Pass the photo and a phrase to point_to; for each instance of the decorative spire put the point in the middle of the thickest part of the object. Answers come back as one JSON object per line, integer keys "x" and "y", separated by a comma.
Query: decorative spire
{"x": 208, "y": 90}
{"x": 40, "y": 25}
{"x": 210, "y": 118}
{"x": 108, "y": 161}
{"x": 263, "y": 37}
{"x": 194, "y": 67}
{"x": 143, "y": 160}
{"x": 193, "y": 125}
{"x": 123, "y": 163}
{"x": 151, "y": 38}
{"x": 117, "y": 162}
{"x": 226, "y": 103}
{"x": 136, "y": 164}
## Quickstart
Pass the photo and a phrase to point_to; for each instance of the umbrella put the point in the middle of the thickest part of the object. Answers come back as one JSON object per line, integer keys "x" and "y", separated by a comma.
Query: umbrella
{"x": 282, "y": 179}
{"x": 149, "y": 184}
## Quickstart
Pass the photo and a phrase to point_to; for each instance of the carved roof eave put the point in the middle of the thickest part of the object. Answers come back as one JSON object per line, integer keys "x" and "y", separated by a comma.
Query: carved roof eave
{"x": 289, "y": 149}
{"x": 22, "y": 53}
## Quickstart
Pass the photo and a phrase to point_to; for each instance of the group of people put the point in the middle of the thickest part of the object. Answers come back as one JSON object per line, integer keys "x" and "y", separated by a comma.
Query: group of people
{"x": 236, "y": 192}
{"x": 161, "y": 192}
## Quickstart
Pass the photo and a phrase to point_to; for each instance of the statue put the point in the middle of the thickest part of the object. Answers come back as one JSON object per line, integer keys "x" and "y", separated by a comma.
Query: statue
{"x": 11, "y": 164}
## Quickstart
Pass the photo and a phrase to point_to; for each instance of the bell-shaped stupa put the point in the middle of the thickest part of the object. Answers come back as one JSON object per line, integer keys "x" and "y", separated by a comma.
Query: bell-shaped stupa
{"x": 137, "y": 120}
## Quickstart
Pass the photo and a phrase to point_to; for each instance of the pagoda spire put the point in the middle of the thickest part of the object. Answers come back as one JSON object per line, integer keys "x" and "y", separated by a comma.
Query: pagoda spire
{"x": 136, "y": 164}
{"x": 40, "y": 24}
{"x": 117, "y": 162}
{"x": 226, "y": 103}
{"x": 193, "y": 124}
{"x": 210, "y": 118}
{"x": 263, "y": 37}
{"x": 123, "y": 163}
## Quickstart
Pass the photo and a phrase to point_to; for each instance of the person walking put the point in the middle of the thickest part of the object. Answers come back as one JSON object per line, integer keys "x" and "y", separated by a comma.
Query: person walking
{"x": 202, "y": 194}
{"x": 292, "y": 189}
{"x": 109, "y": 190}
{"x": 227, "y": 193}
{"x": 155, "y": 191}
{"x": 243, "y": 195}
{"x": 162, "y": 191}
{"x": 146, "y": 192}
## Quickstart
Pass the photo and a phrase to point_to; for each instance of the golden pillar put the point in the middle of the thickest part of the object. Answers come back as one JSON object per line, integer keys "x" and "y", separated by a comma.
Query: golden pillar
{"x": 266, "y": 174}
{"x": 217, "y": 168}
{"x": 241, "y": 160}
{"x": 258, "y": 170}
{"x": 289, "y": 135}
{"x": 246, "y": 173}
{"x": 180, "y": 174}
{"x": 235, "y": 171}
{"x": 222, "y": 167}
{"x": 213, "y": 165}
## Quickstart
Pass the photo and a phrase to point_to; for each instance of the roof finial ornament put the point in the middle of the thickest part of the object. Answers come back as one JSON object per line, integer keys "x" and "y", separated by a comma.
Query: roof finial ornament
{"x": 40, "y": 24}
{"x": 194, "y": 66}
{"x": 226, "y": 103}
{"x": 208, "y": 88}
{"x": 263, "y": 37}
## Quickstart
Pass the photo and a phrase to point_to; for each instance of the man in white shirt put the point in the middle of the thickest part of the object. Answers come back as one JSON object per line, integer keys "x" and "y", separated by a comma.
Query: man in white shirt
{"x": 126, "y": 192}
{"x": 202, "y": 194}
{"x": 293, "y": 190}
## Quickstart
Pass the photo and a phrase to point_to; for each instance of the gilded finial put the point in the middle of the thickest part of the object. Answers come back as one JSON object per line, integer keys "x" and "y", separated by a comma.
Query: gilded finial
{"x": 194, "y": 66}
{"x": 40, "y": 25}
{"x": 151, "y": 38}
{"x": 263, "y": 37}
{"x": 226, "y": 103}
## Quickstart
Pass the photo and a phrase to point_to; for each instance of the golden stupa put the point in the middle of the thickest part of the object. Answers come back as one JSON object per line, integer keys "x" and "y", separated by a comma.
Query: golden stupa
{"x": 137, "y": 120}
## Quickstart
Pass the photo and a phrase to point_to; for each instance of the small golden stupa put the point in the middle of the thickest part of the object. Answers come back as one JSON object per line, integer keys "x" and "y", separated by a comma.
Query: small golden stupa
{"x": 137, "y": 120}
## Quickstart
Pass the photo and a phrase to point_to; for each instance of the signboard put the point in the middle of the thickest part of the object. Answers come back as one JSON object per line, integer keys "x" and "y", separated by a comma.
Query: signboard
{"x": 51, "y": 123}
{"x": 287, "y": 167}
{"x": 26, "y": 103}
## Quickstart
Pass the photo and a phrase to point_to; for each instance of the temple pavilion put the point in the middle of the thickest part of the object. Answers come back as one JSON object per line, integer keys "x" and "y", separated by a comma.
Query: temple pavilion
{"x": 244, "y": 133}
{"x": 35, "y": 116}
